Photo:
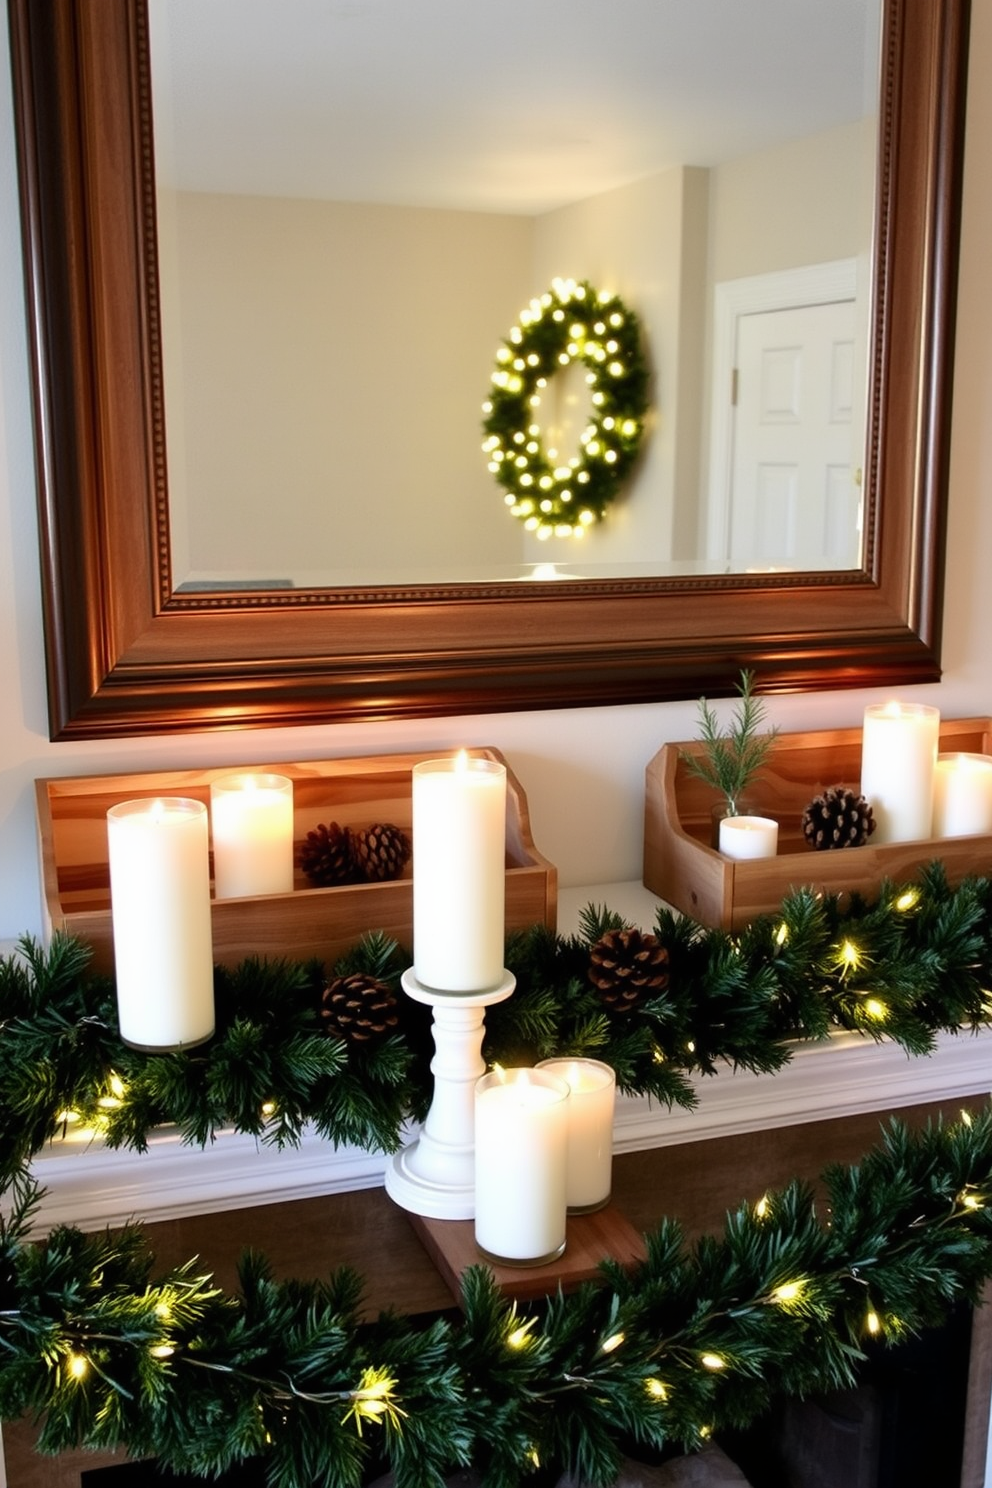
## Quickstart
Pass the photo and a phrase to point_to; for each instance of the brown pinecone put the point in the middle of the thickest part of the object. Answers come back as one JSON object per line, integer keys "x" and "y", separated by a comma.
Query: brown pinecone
{"x": 627, "y": 968}
{"x": 358, "y": 1008}
{"x": 381, "y": 851}
{"x": 838, "y": 818}
{"x": 326, "y": 856}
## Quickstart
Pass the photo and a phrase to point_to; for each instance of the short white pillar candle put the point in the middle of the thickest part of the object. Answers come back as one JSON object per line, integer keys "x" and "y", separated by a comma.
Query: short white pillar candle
{"x": 160, "y": 908}
{"x": 898, "y": 757}
{"x": 748, "y": 836}
{"x": 591, "y": 1100}
{"x": 521, "y": 1156}
{"x": 459, "y": 873}
{"x": 962, "y": 795}
{"x": 251, "y": 819}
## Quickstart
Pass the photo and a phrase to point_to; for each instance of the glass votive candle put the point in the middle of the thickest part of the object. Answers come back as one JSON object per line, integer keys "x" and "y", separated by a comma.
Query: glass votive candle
{"x": 521, "y": 1156}
{"x": 962, "y": 795}
{"x": 591, "y": 1100}
{"x": 251, "y": 822}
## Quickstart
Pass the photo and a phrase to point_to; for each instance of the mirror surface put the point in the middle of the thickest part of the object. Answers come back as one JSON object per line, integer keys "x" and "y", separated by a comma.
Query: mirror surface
{"x": 129, "y": 652}
{"x": 354, "y": 201}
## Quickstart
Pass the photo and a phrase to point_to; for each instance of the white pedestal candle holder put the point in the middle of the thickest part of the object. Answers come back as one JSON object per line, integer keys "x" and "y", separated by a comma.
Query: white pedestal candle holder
{"x": 435, "y": 1175}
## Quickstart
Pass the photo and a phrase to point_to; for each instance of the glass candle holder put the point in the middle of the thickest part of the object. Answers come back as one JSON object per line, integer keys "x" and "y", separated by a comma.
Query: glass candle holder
{"x": 158, "y": 851}
{"x": 251, "y": 820}
{"x": 521, "y": 1157}
{"x": 591, "y": 1101}
{"x": 898, "y": 758}
{"x": 962, "y": 795}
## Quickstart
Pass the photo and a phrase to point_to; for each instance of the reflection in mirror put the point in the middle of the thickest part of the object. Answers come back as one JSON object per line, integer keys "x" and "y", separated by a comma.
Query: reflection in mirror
{"x": 351, "y": 216}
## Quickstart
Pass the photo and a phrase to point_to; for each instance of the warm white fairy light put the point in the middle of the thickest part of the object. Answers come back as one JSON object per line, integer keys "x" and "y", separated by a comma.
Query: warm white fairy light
{"x": 611, "y": 1344}
{"x": 549, "y": 337}
{"x": 714, "y": 1362}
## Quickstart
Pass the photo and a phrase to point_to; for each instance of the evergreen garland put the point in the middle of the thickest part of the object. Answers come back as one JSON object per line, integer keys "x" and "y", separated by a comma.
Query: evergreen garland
{"x": 912, "y": 963}
{"x": 694, "y": 1340}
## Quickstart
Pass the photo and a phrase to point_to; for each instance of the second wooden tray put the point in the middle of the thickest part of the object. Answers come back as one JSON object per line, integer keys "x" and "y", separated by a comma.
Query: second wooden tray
{"x": 681, "y": 866}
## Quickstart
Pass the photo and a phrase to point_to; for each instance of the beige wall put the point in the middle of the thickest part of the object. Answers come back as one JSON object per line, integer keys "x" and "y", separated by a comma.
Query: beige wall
{"x": 809, "y": 201}
{"x": 583, "y": 769}
{"x": 326, "y": 363}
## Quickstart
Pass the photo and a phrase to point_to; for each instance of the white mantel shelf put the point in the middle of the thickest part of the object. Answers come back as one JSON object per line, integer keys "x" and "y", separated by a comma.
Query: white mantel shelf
{"x": 87, "y": 1184}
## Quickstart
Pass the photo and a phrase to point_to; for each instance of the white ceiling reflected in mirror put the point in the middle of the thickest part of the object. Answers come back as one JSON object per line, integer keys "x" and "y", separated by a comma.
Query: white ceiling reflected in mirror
{"x": 357, "y": 197}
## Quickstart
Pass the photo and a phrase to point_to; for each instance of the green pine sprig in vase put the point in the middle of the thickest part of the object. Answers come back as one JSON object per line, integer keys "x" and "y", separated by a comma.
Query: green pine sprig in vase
{"x": 734, "y": 757}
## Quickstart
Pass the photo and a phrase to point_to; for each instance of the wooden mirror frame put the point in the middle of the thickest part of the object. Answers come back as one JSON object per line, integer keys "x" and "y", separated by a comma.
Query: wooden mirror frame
{"x": 127, "y": 656}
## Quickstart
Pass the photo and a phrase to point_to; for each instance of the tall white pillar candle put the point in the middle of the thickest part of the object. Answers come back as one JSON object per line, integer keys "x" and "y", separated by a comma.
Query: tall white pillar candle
{"x": 160, "y": 909}
{"x": 591, "y": 1099}
{"x": 459, "y": 873}
{"x": 898, "y": 758}
{"x": 251, "y": 820}
{"x": 521, "y": 1156}
{"x": 748, "y": 836}
{"x": 962, "y": 795}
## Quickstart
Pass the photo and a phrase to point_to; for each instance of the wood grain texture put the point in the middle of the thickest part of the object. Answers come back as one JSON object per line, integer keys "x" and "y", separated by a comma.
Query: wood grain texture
{"x": 590, "y": 1239}
{"x": 310, "y": 922}
{"x": 682, "y": 868}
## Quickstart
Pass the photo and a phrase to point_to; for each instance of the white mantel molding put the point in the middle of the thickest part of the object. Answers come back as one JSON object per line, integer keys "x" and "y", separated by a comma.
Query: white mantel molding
{"x": 89, "y": 1185}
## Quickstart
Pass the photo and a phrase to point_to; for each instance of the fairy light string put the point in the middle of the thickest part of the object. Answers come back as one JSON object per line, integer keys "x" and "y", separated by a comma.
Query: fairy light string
{"x": 695, "y": 1339}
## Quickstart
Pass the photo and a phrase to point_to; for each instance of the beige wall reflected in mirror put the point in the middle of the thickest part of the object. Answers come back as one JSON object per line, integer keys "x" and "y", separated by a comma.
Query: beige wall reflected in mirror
{"x": 325, "y": 359}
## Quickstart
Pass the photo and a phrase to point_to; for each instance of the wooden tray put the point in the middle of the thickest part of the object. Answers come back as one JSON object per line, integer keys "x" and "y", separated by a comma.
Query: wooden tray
{"x": 590, "y": 1239}
{"x": 310, "y": 922}
{"x": 682, "y": 868}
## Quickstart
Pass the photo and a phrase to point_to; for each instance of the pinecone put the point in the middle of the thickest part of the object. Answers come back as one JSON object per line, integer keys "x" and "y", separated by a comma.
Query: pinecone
{"x": 381, "y": 851}
{"x": 326, "y": 856}
{"x": 358, "y": 1008}
{"x": 627, "y": 967}
{"x": 838, "y": 818}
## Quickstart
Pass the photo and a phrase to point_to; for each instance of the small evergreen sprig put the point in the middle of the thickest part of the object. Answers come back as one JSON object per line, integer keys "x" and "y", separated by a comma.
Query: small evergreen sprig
{"x": 733, "y": 757}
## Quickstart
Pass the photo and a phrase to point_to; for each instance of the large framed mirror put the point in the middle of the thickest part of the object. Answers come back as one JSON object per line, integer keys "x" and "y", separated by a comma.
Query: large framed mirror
{"x": 131, "y": 649}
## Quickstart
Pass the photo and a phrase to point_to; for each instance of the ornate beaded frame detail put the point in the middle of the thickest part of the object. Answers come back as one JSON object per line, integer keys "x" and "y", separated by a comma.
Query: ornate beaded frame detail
{"x": 553, "y": 496}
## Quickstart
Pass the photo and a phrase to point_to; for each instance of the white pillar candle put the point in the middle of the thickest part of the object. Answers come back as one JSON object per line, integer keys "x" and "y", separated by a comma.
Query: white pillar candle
{"x": 591, "y": 1098}
{"x": 898, "y": 757}
{"x": 160, "y": 909}
{"x": 962, "y": 795}
{"x": 251, "y": 818}
{"x": 521, "y": 1155}
{"x": 459, "y": 873}
{"x": 748, "y": 836}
